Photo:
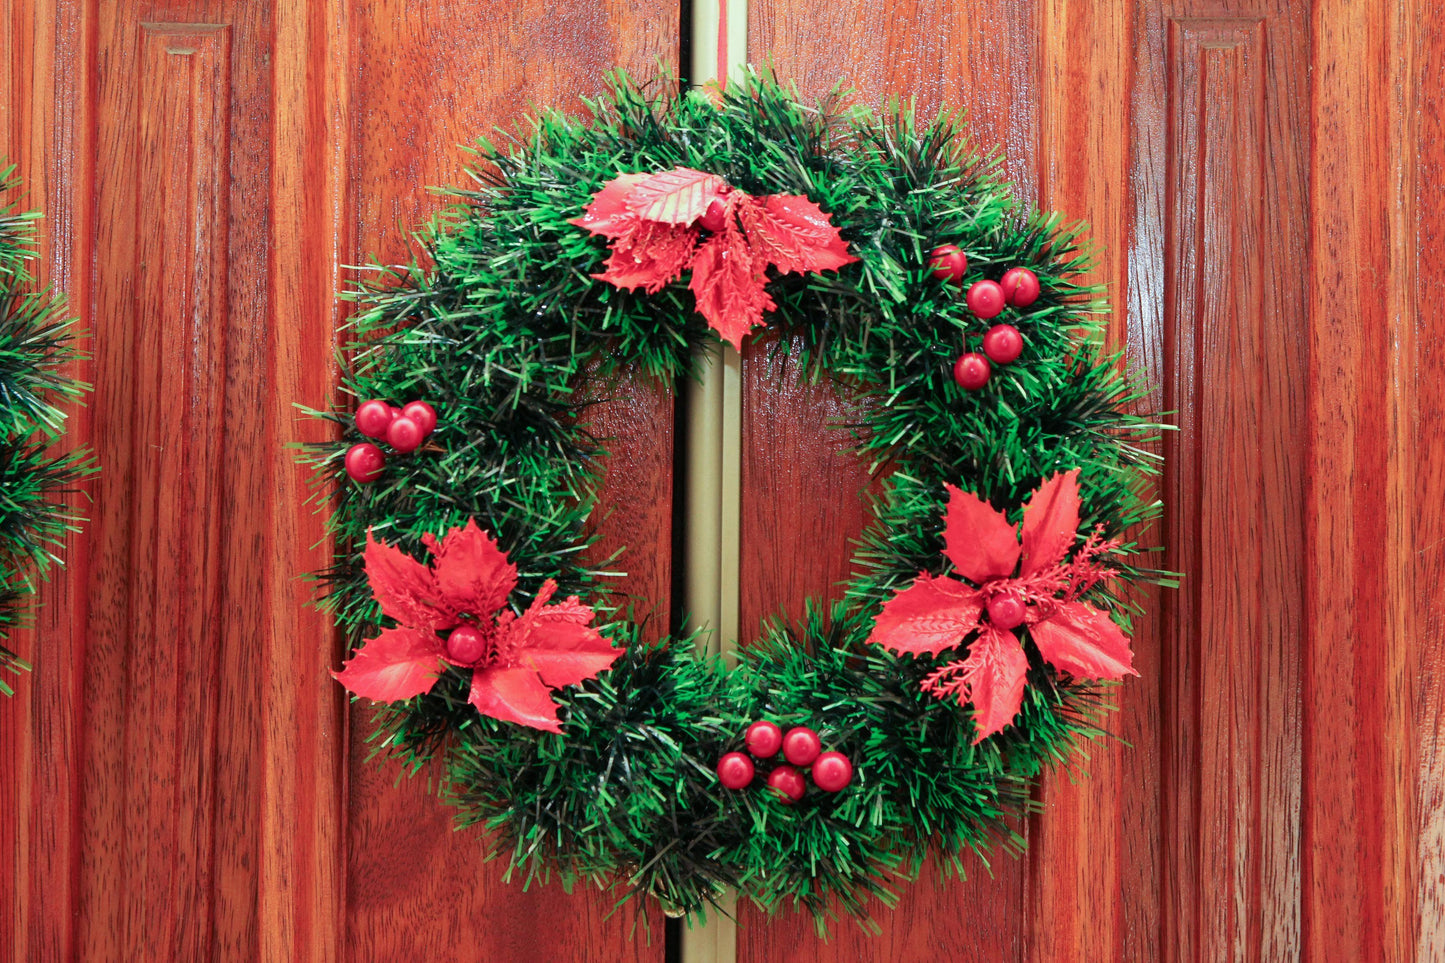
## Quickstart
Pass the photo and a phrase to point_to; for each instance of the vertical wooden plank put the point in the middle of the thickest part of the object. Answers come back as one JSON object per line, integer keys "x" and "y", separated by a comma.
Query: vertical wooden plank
{"x": 1092, "y": 852}
{"x": 982, "y": 57}
{"x": 425, "y": 78}
{"x": 1360, "y": 689}
{"x": 301, "y": 879}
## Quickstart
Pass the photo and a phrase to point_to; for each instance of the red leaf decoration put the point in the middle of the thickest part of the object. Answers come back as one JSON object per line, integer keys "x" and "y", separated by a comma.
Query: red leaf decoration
{"x": 1050, "y": 520}
{"x": 472, "y": 573}
{"x": 977, "y": 538}
{"x": 514, "y": 695}
{"x": 396, "y": 665}
{"x": 729, "y": 286}
{"x": 650, "y": 256}
{"x": 609, "y": 213}
{"x": 1084, "y": 642}
{"x": 678, "y": 196}
{"x": 558, "y": 643}
{"x": 929, "y": 616}
{"x": 992, "y": 678}
{"x": 793, "y": 234}
{"x": 404, "y": 587}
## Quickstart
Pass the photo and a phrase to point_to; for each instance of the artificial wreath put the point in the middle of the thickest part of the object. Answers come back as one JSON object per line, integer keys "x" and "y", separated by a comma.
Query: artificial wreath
{"x": 914, "y": 712}
{"x": 37, "y": 341}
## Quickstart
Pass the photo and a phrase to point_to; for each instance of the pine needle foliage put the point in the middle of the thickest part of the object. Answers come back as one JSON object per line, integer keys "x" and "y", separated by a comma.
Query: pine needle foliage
{"x": 507, "y": 333}
{"x": 37, "y": 342}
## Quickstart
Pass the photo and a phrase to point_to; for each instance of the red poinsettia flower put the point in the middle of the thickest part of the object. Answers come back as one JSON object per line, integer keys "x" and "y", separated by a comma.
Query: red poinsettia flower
{"x": 1015, "y": 584}
{"x": 655, "y": 222}
{"x": 449, "y": 613}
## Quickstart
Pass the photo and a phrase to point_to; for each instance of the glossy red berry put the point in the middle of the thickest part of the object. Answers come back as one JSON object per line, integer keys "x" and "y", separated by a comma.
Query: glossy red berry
{"x": 1003, "y": 343}
{"x": 364, "y": 462}
{"x": 764, "y": 739}
{"x": 404, "y": 435}
{"x": 985, "y": 299}
{"x": 373, "y": 418}
{"x": 1020, "y": 286}
{"x": 715, "y": 218}
{"x": 801, "y": 746}
{"x": 832, "y": 772}
{"x": 948, "y": 263}
{"x": 735, "y": 770}
{"x": 466, "y": 645}
{"x": 1006, "y": 611}
{"x": 971, "y": 370}
{"x": 788, "y": 784}
{"x": 423, "y": 414}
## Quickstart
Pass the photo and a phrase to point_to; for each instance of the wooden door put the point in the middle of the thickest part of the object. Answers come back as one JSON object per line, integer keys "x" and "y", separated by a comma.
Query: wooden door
{"x": 182, "y": 779}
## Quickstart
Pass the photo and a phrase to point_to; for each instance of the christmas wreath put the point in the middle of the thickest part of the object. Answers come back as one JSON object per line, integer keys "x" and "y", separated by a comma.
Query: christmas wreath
{"x": 965, "y": 653}
{"x": 36, "y": 341}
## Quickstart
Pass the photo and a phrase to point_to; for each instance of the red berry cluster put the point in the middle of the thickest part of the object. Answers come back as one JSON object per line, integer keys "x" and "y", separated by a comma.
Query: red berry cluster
{"x": 404, "y": 429}
{"x": 801, "y": 747}
{"x": 1019, "y": 288}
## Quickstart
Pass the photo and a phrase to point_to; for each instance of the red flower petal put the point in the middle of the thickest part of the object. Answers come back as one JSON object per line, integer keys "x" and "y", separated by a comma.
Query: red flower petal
{"x": 608, "y": 212}
{"x": 650, "y": 256}
{"x": 405, "y": 588}
{"x": 1084, "y": 642}
{"x": 793, "y": 234}
{"x": 472, "y": 573}
{"x": 978, "y": 538}
{"x": 929, "y": 616}
{"x": 396, "y": 665}
{"x": 678, "y": 196}
{"x": 1051, "y": 518}
{"x": 514, "y": 695}
{"x": 729, "y": 286}
{"x": 558, "y": 643}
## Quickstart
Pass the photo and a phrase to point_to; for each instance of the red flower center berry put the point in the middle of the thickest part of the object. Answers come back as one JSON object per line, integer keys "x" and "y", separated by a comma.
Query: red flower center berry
{"x": 467, "y": 645}
{"x": 1006, "y": 611}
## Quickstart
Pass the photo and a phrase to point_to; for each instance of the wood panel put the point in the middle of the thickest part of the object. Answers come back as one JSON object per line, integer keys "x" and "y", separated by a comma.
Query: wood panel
{"x": 425, "y": 79}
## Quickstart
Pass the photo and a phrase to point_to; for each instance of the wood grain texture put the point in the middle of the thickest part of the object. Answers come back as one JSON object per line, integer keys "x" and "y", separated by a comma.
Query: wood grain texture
{"x": 804, "y": 494}
{"x": 425, "y": 78}
{"x": 1360, "y": 860}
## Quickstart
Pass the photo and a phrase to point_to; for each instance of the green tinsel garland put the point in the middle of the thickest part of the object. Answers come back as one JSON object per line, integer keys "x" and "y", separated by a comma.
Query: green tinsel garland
{"x": 496, "y": 333}
{"x": 37, "y": 340}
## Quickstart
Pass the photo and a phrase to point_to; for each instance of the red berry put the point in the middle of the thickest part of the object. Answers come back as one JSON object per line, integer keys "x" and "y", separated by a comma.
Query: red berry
{"x": 1006, "y": 611}
{"x": 466, "y": 645}
{"x": 1003, "y": 343}
{"x": 404, "y": 435}
{"x": 971, "y": 370}
{"x": 801, "y": 746}
{"x": 832, "y": 772}
{"x": 715, "y": 218}
{"x": 985, "y": 299}
{"x": 735, "y": 770}
{"x": 788, "y": 784}
{"x": 1020, "y": 286}
{"x": 373, "y": 418}
{"x": 764, "y": 739}
{"x": 948, "y": 263}
{"x": 364, "y": 462}
{"x": 423, "y": 414}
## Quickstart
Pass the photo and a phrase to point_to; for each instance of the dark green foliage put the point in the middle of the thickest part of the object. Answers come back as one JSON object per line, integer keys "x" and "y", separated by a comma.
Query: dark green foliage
{"x": 497, "y": 332}
{"x": 36, "y": 342}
